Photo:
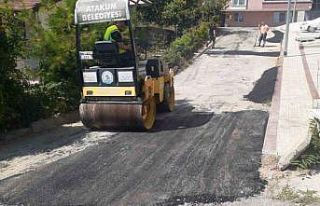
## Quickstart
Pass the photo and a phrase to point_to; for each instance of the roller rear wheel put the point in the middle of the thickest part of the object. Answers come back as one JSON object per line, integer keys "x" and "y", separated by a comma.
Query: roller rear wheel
{"x": 148, "y": 113}
{"x": 168, "y": 103}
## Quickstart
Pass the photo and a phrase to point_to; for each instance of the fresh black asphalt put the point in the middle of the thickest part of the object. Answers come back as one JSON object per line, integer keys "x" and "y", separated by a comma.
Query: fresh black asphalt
{"x": 189, "y": 157}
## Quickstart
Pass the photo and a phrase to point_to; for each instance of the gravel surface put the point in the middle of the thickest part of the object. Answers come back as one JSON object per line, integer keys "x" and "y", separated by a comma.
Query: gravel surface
{"x": 207, "y": 151}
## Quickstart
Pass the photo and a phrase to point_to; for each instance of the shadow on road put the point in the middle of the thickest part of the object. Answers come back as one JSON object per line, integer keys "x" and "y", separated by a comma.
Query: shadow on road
{"x": 226, "y": 31}
{"x": 184, "y": 117}
{"x": 277, "y": 38}
{"x": 217, "y": 47}
{"x": 264, "y": 88}
{"x": 244, "y": 53}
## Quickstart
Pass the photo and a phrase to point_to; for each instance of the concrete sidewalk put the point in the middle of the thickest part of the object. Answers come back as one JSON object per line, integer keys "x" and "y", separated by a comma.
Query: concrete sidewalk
{"x": 295, "y": 98}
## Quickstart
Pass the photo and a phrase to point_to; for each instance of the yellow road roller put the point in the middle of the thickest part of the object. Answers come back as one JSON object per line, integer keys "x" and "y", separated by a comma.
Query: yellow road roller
{"x": 118, "y": 91}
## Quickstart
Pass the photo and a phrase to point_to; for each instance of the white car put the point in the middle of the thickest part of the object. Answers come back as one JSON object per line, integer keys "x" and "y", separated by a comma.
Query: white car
{"x": 310, "y": 26}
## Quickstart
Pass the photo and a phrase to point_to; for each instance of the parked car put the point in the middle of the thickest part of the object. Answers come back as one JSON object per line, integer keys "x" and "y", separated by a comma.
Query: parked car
{"x": 310, "y": 26}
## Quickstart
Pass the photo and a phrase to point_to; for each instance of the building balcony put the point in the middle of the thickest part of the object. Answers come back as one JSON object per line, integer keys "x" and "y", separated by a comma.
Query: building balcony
{"x": 238, "y": 4}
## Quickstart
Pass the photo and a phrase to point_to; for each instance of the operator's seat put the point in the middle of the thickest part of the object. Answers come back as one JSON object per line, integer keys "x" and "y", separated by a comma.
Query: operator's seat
{"x": 107, "y": 54}
{"x": 154, "y": 68}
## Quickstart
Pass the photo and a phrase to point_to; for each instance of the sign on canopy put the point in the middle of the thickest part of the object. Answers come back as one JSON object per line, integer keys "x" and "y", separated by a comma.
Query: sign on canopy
{"x": 99, "y": 11}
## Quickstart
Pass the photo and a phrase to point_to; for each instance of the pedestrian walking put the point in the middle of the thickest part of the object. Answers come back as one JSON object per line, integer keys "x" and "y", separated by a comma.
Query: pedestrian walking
{"x": 214, "y": 28}
{"x": 212, "y": 32}
{"x": 263, "y": 31}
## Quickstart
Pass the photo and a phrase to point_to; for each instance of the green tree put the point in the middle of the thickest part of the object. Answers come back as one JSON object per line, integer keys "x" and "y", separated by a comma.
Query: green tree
{"x": 212, "y": 9}
{"x": 53, "y": 43}
{"x": 152, "y": 13}
{"x": 12, "y": 82}
{"x": 182, "y": 13}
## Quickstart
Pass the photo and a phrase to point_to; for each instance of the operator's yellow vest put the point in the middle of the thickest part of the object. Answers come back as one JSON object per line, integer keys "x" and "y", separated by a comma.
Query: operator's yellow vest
{"x": 107, "y": 36}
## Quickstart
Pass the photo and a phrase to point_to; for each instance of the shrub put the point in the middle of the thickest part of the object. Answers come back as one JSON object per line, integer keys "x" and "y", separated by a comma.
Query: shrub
{"x": 184, "y": 47}
{"x": 58, "y": 91}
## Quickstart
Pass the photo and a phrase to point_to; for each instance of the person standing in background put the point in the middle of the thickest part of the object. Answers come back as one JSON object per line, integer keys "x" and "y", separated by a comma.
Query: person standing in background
{"x": 263, "y": 30}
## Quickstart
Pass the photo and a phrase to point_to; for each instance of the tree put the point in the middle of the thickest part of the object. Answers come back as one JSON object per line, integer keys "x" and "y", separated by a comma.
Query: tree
{"x": 211, "y": 9}
{"x": 12, "y": 82}
{"x": 152, "y": 13}
{"x": 53, "y": 43}
{"x": 182, "y": 14}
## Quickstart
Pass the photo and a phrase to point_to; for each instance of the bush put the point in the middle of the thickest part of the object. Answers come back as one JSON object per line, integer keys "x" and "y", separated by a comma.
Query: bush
{"x": 58, "y": 91}
{"x": 184, "y": 47}
{"x": 53, "y": 98}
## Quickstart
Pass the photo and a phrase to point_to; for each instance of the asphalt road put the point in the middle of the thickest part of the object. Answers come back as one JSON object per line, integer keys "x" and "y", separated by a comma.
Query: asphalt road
{"x": 199, "y": 153}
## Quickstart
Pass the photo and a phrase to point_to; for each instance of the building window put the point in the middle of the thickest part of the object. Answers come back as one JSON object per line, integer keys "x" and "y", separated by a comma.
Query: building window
{"x": 238, "y": 17}
{"x": 282, "y": 16}
{"x": 279, "y": 17}
{"x": 316, "y": 5}
{"x": 239, "y": 3}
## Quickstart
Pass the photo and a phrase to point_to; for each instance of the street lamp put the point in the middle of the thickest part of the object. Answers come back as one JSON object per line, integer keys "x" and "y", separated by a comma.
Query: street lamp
{"x": 285, "y": 52}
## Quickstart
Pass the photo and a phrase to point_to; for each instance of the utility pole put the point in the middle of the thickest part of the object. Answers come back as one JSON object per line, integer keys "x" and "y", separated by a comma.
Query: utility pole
{"x": 294, "y": 10}
{"x": 285, "y": 52}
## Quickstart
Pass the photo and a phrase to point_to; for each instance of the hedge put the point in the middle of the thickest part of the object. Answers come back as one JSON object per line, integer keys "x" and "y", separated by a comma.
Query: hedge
{"x": 183, "y": 48}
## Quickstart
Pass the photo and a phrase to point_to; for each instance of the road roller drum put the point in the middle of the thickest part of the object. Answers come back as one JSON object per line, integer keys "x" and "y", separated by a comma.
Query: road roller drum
{"x": 125, "y": 115}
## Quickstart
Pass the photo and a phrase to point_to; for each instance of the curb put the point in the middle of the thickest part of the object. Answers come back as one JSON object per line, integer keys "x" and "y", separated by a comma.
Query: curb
{"x": 269, "y": 150}
{"x": 270, "y": 140}
{"x": 197, "y": 54}
{"x": 207, "y": 48}
{"x": 53, "y": 122}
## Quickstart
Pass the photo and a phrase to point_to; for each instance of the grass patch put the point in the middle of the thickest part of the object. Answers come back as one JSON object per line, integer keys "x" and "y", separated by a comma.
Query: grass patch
{"x": 311, "y": 156}
{"x": 287, "y": 194}
{"x": 301, "y": 198}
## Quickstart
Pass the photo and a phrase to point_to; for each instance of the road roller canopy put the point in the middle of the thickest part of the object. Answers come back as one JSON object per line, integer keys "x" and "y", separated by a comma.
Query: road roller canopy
{"x": 100, "y": 11}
